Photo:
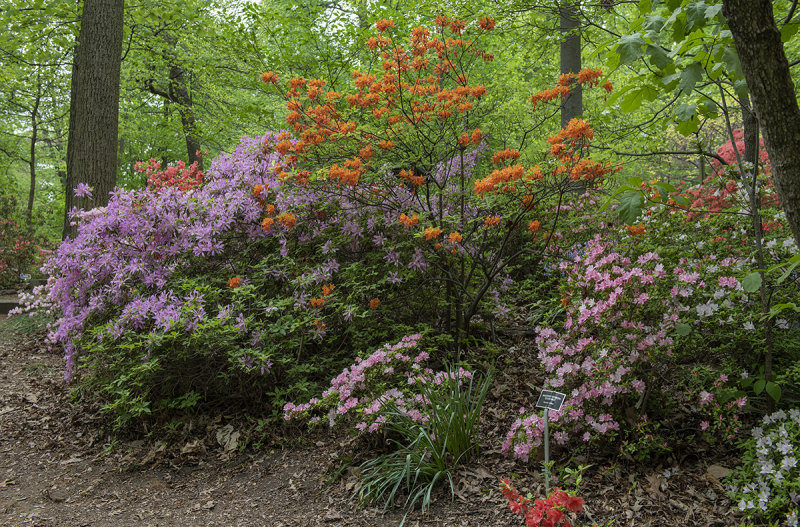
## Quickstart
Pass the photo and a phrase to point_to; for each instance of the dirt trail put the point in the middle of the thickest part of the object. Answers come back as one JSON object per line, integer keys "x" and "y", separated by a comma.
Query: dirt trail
{"x": 55, "y": 470}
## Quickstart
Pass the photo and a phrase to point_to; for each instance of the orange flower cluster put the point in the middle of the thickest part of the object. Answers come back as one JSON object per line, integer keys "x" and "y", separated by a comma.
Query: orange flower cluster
{"x": 635, "y": 230}
{"x": 486, "y": 23}
{"x": 269, "y": 77}
{"x": 432, "y": 232}
{"x": 374, "y": 303}
{"x": 270, "y": 208}
{"x": 266, "y": 224}
{"x": 328, "y": 289}
{"x": 409, "y": 176}
{"x": 287, "y": 219}
{"x": 534, "y": 226}
{"x": 234, "y": 282}
{"x": 407, "y": 221}
{"x": 316, "y": 303}
{"x": 587, "y": 76}
{"x": 348, "y": 174}
{"x": 410, "y": 87}
{"x": 549, "y": 95}
{"x": 503, "y": 178}
{"x": 502, "y": 156}
{"x": 383, "y": 24}
{"x": 320, "y": 325}
{"x": 455, "y": 237}
{"x": 491, "y": 221}
{"x": 467, "y": 138}
{"x": 567, "y": 146}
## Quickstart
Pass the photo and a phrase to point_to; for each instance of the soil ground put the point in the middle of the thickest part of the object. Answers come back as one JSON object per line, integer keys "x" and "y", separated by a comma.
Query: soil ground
{"x": 58, "y": 469}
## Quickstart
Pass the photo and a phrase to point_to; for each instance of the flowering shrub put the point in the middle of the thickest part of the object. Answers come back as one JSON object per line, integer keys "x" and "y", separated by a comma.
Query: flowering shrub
{"x": 17, "y": 253}
{"x": 177, "y": 176}
{"x": 389, "y": 378}
{"x": 767, "y": 484}
{"x": 549, "y": 512}
{"x": 403, "y": 147}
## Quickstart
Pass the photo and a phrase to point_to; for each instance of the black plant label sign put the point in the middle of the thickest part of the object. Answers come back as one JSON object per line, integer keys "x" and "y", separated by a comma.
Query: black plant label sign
{"x": 551, "y": 400}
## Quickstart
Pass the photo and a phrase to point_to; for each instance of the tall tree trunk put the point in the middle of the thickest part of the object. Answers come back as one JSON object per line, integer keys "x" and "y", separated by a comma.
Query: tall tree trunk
{"x": 94, "y": 105}
{"x": 572, "y": 106}
{"x": 766, "y": 70}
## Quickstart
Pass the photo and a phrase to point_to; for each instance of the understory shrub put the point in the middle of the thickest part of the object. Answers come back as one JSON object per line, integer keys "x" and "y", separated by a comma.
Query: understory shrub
{"x": 767, "y": 484}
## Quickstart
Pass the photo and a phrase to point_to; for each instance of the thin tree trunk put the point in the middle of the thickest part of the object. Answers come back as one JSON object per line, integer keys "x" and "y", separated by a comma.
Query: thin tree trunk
{"x": 758, "y": 43}
{"x": 32, "y": 160}
{"x": 570, "y": 60}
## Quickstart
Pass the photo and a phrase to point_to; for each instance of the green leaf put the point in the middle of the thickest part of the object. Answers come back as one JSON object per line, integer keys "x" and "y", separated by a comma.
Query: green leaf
{"x": 740, "y": 88}
{"x": 690, "y": 76}
{"x": 758, "y": 386}
{"x": 630, "y": 206}
{"x": 635, "y": 181}
{"x": 682, "y": 329}
{"x": 696, "y": 15}
{"x": 630, "y": 48}
{"x": 773, "y": 390}
{"x": 788, "y": 31}
{"x": 658, "y": 57}
{"x": 634, "y": 99}
{"x": 752, "y": 282}
{"x": 645, "y": 6}
{"x": 680, "y": 200}
{"x": 685, "y": 111}
{"x": 654, "y": 23}
{"x": 732, "y": 63}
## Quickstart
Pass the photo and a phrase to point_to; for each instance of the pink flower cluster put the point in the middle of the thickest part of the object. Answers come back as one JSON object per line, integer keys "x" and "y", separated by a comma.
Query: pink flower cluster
{"x": 360, "y": 388}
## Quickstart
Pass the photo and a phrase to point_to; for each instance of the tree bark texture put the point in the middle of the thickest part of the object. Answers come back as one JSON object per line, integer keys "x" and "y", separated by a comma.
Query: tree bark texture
{"x": 570, "y": 60}
{"x": 94, "y": 105}
{"x": 758, "y": 43}
{"x": 32, "y": 160}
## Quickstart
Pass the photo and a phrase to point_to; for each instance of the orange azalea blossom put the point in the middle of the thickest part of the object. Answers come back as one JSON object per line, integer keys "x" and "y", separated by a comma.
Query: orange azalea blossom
{"x": 476, "y": 136}
{"x": 270, "y": 209}
{"x": 414, "y": 180}
{"x": 374, "y": 303}
{"x": 327, "y": 289}
{"x": 486, "y": 23}
{"x": 297, "y": 82}
{"x": 383, "y": 24}
{"x": 269, "y": 77}
{"x": 465, "y": 139}
{"x": 432, "y": 232}
{"x": 266, "y": 224}
{"x": 234, "y": 282}
{"x": 257, "y": 190}
{"x": 287, "y": 219}
{"x": 565, "y": 301}
{"x": 407, "y": 221}
{"x": 502, "y": 155}
{"x": 455, "y": 237}
{"x": 316, "y": 302}
{"x": 503, "y": 177}
{"x": 607, "y": 86}
{"x": 320, "y": 325}
{"x": 491, "y": 221}
{"x": 386, "y": 145}
{"x": 549, "y": 95}
{"x": 534, "y": 226}
{"x": 635, "y": 230}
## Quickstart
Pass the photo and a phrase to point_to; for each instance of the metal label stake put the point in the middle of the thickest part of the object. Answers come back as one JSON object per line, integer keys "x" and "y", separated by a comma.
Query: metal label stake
{"x": 549, "y": 400}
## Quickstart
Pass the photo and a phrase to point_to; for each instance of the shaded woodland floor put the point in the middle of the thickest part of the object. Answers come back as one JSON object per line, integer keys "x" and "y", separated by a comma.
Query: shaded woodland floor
{"x": 56, "y": 468}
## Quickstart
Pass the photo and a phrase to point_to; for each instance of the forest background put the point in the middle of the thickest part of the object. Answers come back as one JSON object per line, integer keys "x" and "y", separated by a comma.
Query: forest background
{"x": 648, "y": 245}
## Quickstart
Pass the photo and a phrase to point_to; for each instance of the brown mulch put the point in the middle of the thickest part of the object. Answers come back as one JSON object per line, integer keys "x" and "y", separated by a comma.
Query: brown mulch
{"x": 58, "y": 469}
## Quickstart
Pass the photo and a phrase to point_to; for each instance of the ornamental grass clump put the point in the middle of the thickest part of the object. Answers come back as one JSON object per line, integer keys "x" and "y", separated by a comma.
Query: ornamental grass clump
{"x": 426, "y": 450}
